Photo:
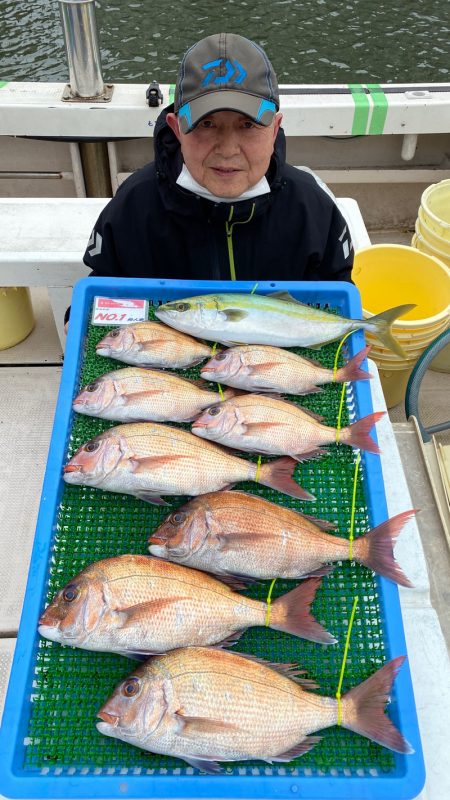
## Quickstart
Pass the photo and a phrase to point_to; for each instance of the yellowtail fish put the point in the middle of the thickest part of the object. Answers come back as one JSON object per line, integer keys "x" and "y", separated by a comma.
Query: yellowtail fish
{"x": 235, "y": 533}
{"x": 150, "y": 344}
{"x": 264, "y": 424}
{"x": 148, "y": 460}
{"x": 206, "y": 705}
{"x": 276, "y": 319}
{"x": 271, "y": 369}
{"x": 133, "y": 394}
{"x": 138, "y": 605}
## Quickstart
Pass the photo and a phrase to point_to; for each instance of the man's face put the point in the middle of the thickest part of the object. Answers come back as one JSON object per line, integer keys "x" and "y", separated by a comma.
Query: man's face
{"x": 227, "y": 152}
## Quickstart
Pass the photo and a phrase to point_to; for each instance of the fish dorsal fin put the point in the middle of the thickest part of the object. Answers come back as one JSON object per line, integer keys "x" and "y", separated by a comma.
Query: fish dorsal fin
{"x": 309, "y": 413}
{"x": 286, "y": 298}
{"x": 323, "y": 524}
{"x": 288, "y": 670}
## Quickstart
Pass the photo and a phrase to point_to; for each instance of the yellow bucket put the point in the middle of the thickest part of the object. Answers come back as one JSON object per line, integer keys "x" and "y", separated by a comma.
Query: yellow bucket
{"x": 424, "y": 245}
{"x": 435, "y": 204}
{"x": 16, "y": 315}
{"x": 437, "y": 242}
{"x": 393, "y": 274}
{"x": 394, "y": 383}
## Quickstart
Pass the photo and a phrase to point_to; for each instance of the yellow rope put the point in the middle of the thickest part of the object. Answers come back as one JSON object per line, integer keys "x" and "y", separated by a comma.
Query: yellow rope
{"x": 352, "y": 518}
{"x": 341, "y": 404}
{"x": 344, "y": 660}
{"x": 336, "y": 358}
{"x": 222, "y": 396}
{"x": 268, "y": 601}
{"x": 214, "y": 349}
{"x": 254, "y": 288}
{"x": 258, "y": 469}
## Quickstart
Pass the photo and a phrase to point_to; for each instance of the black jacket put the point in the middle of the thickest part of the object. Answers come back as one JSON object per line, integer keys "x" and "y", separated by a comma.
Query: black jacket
{"x": 153, "y": 228}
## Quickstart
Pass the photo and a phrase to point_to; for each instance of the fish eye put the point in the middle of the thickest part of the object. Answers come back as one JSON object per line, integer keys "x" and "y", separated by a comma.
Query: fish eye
{"x": 91, "y": 446}
{"x": 131, "y": 687}
{"x": 214, "y": 410}
{"x": 221, "y": 356}
{"x": 182, "y": 306}
{"x": 70, "y": 593}
{"x": 115, "y": 333}
{"x": 178, "y": 517}
{"x": 91, "y": 387}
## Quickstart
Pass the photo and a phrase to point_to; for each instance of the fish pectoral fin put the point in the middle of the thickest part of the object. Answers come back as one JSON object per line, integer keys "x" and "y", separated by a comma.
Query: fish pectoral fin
{"x": 132, "y": 397}
{"x": 191, "y": 727}
{"x": 152, "y": 344}
{"x": 233, "y": 314}
{"x": 299, "y": 749}
{"x": 260, "y": 427}
{"x": 135, "y": 615}
{"x": 211, "y": 767}
{"x": 261, "y": 367}
{"x": 232, "y": 541}
{"x": 151, "y": 462}
{"x": 287, "y": 298}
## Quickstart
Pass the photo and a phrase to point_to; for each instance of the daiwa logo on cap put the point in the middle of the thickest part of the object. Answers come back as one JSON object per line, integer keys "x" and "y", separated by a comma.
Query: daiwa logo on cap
{"x": 225, "y": 72}
{"x": 234, "y": 70}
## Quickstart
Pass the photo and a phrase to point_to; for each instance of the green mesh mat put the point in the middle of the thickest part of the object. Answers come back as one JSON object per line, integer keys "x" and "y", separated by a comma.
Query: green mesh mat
{"x": 71, "y": 685}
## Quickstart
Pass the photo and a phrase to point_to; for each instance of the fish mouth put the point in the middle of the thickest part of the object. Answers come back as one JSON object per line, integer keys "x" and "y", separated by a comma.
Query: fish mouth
{"x": 47, "y": 621}
{"x": 72, "y": 468}
{"x": 110, "y": 719}
{"x": 101, "y": 350}
{"x": 199, "y": 424}
{"x": 157, "y": 540}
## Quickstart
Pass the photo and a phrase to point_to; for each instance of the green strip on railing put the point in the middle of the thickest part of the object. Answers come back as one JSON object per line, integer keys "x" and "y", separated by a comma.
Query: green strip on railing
{"x": 171, "y": 93}
{"x": 361, "y": 115}
{"x": 3, "y": 83}
{"x": 380, "y": 107}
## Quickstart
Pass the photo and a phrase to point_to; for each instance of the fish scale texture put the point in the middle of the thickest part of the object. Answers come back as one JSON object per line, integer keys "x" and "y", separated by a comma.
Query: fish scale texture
{"x": 71, "y": 685}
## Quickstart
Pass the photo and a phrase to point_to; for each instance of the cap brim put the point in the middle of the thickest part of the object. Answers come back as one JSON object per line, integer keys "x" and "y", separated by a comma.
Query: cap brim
{"x": 258, "y": 109}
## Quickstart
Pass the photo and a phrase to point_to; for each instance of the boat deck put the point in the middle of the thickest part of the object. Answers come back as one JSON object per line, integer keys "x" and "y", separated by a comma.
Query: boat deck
{"x": 29, "y": 379}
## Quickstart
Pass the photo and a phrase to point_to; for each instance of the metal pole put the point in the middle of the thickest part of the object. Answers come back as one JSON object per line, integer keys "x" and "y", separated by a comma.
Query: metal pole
{"x": 83, "y": 52}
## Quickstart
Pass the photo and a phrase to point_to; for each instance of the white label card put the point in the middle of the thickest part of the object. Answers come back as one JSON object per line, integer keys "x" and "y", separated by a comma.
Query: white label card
{"x": 117, "y": 311}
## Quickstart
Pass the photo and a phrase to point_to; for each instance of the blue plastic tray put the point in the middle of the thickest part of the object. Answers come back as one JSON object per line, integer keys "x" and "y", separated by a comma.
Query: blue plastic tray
{"x": 404, "y": 782}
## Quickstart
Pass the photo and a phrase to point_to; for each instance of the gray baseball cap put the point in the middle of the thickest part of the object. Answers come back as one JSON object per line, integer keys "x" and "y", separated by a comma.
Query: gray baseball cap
{"x": 225, "y": 72}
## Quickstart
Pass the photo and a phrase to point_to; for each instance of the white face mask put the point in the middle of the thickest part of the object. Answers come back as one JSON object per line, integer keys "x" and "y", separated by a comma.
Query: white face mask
{"x": 186, "y": 180}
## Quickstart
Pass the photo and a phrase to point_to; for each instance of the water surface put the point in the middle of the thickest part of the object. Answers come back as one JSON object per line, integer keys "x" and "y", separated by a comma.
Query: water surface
{"x": 314, "y": 41}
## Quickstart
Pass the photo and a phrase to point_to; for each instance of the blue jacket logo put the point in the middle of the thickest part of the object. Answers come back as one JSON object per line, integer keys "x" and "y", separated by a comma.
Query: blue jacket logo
{"x": 235, "y": 72}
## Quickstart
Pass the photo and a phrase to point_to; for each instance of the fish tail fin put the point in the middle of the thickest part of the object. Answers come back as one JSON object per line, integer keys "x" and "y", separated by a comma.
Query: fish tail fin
{"x": 291, "y": 613}
{"x": 351, "y": 371}
{"x": 376, "y": 549}
{"x": 278, "y": 475}
{"x": 357, "y": 434}
{"x": 381, "y": 324}
{"x": 363, "y": 708}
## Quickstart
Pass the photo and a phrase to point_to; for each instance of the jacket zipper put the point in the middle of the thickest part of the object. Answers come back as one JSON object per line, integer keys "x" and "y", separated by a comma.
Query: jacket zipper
{"x": 229, "y": 232}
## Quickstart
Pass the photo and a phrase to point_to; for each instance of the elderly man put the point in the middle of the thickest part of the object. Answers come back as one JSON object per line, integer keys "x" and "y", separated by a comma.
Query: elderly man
{"x": 219, "y": 201}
